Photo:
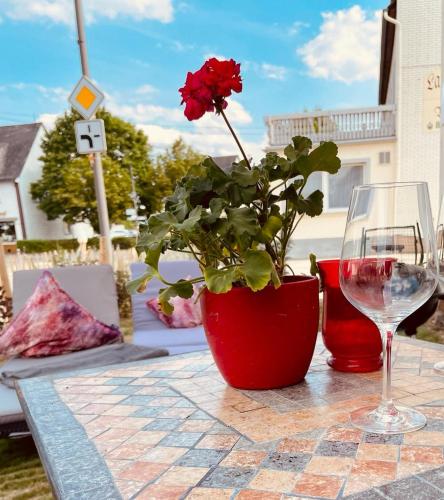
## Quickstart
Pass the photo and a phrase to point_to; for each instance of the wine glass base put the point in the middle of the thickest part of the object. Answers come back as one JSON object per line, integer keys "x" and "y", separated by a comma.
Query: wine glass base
{"x": 439, "y": 367}
{"x": 369, "y": 420}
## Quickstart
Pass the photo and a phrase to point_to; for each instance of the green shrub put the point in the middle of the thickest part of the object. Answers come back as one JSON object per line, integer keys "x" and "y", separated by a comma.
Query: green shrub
{"x": 40, "y": 246}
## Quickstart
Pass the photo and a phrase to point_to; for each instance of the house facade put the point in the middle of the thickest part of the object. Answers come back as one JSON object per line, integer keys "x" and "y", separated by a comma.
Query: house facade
{"x": 397, "y": 140}
{"x": 20, "y": 218}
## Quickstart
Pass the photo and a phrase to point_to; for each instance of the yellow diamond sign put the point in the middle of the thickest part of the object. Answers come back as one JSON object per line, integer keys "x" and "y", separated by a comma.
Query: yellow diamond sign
{"x": 86, "y": 98}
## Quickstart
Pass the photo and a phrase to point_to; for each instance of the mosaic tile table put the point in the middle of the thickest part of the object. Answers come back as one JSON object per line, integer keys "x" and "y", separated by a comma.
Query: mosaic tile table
{"x": 171, "y": 428}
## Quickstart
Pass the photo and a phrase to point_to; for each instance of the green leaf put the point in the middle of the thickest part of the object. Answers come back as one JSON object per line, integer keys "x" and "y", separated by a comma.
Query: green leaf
{"x": 301, "y": 144}
{"x": 139, "y": 284}
{"x": 322, "y": 159}
{"x": 190, "y": 222}
{"x": 257, "y": 269}
{"x": 242, "y": 220}
{"x": 291, "y": 192}
{"x": 182, "y": 289}
{"x": 314, "y": 269}
{"x": 220, "y": 280}
{"x": 218, "y": 177}
{"x": 244, "y": 176}
{"x": 312, "y": 205}
{"x": 270, "y": 228}
{"x": 216, "y": 207}
{"x": 153, "y": 255}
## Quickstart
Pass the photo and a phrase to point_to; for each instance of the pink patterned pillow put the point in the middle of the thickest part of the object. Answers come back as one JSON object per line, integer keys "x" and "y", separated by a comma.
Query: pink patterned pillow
{"x": 53, "y": 323}
{"x": 186, "y": 312}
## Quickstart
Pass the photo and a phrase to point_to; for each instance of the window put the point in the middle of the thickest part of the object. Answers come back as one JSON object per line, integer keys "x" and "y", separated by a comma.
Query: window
{"x": 384, "y": 157}
{"x": 337, "y": 188}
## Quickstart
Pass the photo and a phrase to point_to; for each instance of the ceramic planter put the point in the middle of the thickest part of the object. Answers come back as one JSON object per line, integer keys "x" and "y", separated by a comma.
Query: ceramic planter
{"x": 353, "y": 339}
{"x": 265, "y": 339}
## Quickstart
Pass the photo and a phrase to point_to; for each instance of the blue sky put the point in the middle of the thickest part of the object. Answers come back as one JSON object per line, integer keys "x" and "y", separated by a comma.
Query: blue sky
{"x": 295, "y": 56}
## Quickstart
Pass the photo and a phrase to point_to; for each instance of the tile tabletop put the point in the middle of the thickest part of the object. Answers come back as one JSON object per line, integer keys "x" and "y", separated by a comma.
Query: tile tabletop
{"x": 171, "y": 428}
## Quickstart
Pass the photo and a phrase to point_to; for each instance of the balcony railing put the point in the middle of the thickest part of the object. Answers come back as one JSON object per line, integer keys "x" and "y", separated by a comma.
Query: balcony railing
{"x": 339, "y": 126}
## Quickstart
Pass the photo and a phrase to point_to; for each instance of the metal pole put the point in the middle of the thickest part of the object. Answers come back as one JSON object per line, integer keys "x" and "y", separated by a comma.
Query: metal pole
{"x": 102, "y": 207}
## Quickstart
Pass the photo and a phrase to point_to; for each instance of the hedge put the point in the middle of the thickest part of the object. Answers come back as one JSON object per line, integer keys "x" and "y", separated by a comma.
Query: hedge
{"x": 40, "y": 246}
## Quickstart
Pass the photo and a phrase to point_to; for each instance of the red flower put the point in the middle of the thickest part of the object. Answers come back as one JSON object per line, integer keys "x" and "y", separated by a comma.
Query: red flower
{"x": 206, "y": 89}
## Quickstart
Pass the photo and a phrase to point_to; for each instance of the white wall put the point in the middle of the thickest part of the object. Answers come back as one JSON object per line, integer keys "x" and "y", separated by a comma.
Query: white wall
{"x": 421, "y": 54}
{"x": 9, "y": 207}
{"x": 36, "y": 224}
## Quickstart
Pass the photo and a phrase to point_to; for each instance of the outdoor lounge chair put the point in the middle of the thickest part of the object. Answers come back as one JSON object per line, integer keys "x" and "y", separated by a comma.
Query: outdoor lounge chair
{"x": 94, "y": 288}
{"x": 148, "y": 330}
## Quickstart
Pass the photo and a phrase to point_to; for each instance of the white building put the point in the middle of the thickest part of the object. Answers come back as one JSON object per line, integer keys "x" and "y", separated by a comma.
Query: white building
{"x": 398, "y": 140}
{"x": 20, "y": 218}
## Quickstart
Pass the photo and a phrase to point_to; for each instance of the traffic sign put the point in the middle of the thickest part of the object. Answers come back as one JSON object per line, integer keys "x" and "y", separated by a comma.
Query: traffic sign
{"x": 90, "y": 136}
{"x": 86, "y": 97}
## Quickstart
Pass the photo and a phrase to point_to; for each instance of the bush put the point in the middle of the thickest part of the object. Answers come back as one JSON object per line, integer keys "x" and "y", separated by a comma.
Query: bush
{"x": 40, "y": 246}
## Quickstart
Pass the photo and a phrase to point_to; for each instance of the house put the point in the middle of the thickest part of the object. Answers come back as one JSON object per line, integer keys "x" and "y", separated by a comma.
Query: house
{"x": 20, "y": 218}
{"x": 397, "y": 140}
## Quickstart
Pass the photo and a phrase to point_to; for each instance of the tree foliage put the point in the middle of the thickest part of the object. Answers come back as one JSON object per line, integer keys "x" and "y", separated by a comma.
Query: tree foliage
{"x": 66, "y": 188}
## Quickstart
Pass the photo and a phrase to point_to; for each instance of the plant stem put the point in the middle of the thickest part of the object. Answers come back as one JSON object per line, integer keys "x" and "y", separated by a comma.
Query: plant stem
{"x": 233, "y": 133}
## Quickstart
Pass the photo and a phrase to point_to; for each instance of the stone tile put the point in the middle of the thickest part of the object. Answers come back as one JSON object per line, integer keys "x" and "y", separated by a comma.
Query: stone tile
{"x": 163, "y": 424}
{"x": 318, "y": 486}
{"x": 142, "y": 471}
{"x": 337, "y": 466}
{"x": 336, "y": 448}
{"x": 164, "y": 454}
{"x": 243, "y": 458}
{"x": 380, "y": 468}
{"x": 290, "y": 445}
{"x": 128, "y": 488}
{"x": 259, "y": 495}
{"x": 183, "y": 476}
{"x": 434, "y": 424}
{"x": 162, "y": 492}
{"x": 383, "y": 439}
{"x": 274, "y": 480}
{"x": 435, "y": 477}
{"x": 371, "y": 451}
{"x": 137, "y": 423}
{"x": 218, "y": 442}
{"x": 185, "y": 439}
{"x": 122, "y": 411}
{"x": 119, "y": 381}
{"x": 407, "y": 469}
{"x": 136, "y": 400}
{"x": 201, "y": 458}
{"x": 127, "y": 451}
{"x": 147, "y": 437}
{"x": 411, "y": 487}
{"x": 343, "y": 434}
{"x": 196, "y": 426}
{"x": 125, "y": 390}
{"x": 228, "y": 477}
{"x": 94, "y": 408}
{"x": 425, "y": 454}
{"x": 295, "y": 462}
{"x": 115, "y": 434}
{"x": 213, "y": 493}
{"x": 177, "y": 412}
{"x": 147, "y": 412}
{"x": 425, "y": 438}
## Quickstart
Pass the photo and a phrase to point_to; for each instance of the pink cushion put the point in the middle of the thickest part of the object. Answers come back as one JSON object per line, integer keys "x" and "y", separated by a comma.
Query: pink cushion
{"x": 186, "y": 312}
{"x": 53, "y": 323}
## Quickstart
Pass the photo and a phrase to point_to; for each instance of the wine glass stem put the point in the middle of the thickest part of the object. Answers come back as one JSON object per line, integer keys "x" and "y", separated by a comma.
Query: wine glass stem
{"x": 386, "y": 406}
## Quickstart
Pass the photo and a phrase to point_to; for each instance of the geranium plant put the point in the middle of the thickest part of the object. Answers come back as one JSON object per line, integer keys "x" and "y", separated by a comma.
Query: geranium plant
{"x": 237, "y": 223}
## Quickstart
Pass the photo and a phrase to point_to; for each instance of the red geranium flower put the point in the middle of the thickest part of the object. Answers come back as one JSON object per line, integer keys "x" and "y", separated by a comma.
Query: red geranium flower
{"x": 206, "y": 89}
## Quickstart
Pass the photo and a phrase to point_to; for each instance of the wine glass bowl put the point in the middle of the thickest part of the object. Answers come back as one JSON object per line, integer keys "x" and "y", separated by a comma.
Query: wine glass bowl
{"x": 388, "y": 269}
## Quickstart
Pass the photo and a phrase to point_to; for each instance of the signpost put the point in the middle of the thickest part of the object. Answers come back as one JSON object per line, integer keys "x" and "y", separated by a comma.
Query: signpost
{"x": 90, "y": 136}
{"x": 86, "y": 97}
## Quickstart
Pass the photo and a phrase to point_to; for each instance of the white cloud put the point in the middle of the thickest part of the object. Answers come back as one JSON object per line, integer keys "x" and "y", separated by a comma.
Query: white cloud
{"x": 296, "y": 27}
{"x": 347, "y": 46}
{"x": 146, "y": 89}
{"x": 142, "y": 113}
{"x": 273, "y": 72}
{"x": 61, "y": 11}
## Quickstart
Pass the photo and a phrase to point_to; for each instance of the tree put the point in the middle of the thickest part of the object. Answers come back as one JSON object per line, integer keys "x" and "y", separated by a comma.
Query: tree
{"x": 66, "y": 188}
{"x": 175, "y": 163}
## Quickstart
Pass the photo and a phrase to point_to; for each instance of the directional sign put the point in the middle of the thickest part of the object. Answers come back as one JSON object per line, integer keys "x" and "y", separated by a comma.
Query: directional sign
{"x": 86, "y": 98}
{"x": 90, "y": 136}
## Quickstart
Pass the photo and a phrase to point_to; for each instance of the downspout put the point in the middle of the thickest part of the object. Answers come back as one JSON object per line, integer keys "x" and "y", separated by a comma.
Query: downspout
{"x": 20, "y": 207}
{"x": 398, "y": 41}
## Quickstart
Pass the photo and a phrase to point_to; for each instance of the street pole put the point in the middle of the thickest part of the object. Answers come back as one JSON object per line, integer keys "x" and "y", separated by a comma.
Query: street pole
{"x": 102, "y": 207}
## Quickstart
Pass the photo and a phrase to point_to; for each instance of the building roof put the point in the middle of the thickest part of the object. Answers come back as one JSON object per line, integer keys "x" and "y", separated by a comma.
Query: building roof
{"x": 224, "y": 162}
{"x": 387, "y": 43}
{"x": 15, "y": 143}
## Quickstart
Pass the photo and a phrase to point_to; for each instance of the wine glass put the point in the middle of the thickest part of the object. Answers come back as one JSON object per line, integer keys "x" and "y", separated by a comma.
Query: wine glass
{"x": 439, "y": 367}
{"x": 388, "y": 269}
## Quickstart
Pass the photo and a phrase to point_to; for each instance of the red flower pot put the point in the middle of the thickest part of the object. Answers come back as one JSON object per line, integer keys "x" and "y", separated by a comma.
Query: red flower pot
{"x": 353, "y": 339}
{"x": 266, "y": 339}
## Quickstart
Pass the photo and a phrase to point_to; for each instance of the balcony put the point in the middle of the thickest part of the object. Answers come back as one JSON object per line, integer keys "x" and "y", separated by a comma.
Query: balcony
{"x": 349, "y": 125}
